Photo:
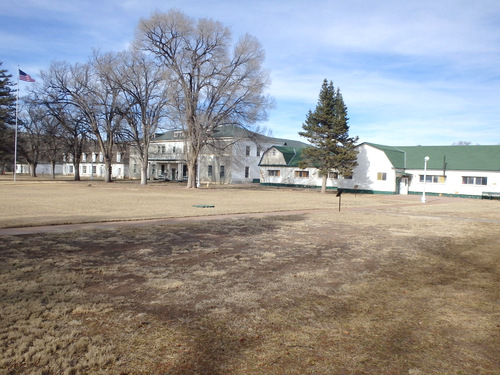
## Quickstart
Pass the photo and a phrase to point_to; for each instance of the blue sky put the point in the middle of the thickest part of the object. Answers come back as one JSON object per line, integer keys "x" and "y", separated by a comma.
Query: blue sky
{"x": 411, "y": 72}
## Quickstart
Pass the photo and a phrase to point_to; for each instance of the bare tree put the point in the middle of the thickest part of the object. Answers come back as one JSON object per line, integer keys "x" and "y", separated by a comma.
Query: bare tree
{"x": 54, "y": 96}
{"x": 144, "y": 87}
{"x": 88, "y": 89}
{"x": 31, "y": 143}
{"x": 104, "y": 106}
{"x": 216, "y": 86}
{"x": 44, "y": 126}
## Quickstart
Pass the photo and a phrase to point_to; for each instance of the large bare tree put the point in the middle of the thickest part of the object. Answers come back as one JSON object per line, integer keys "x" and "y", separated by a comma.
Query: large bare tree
{"x": 145, "y": 90}
{"x": 105, "y": 106}
{"x": 69, "y": 131}
{"x": 217, "y": 85}
{"x": 89, "y": 90}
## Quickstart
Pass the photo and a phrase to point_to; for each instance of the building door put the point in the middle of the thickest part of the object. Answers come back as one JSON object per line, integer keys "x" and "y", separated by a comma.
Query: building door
{"x": 404, "y": 185}
{"x": 174, "y": 174}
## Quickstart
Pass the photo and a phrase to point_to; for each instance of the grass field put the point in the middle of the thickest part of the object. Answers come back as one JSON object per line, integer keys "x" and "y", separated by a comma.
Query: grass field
{"x": 388, "y": 285}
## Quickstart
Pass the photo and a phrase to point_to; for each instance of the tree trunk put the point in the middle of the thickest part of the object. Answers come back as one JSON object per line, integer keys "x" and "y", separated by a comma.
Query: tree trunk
{"x": 192, "y": 161}
{"x": 144, "y": 171}
{"x": 323, "y": 183}
{"x": 191, "y": 184}
{"x": 33, "y": 169}
{"x": 53, "y": 164}
{"x": 107, "y": 170}
{"x": 76, "y": 167}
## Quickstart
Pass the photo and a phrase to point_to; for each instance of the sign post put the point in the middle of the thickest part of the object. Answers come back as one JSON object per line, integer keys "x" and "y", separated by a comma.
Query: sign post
{"x": 339, "y": 194}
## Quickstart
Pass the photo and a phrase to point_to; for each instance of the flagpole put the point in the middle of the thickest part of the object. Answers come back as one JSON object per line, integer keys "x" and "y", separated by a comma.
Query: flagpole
{"x": 15, "y": 138}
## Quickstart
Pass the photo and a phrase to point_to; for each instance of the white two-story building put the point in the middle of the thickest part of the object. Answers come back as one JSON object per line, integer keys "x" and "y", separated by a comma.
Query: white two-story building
{"x": 231, "y": 156}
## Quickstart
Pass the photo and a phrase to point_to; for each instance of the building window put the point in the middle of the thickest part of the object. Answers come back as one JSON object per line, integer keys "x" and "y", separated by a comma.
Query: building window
{"x": 94, "y": 157}
{"x": 135, "y": 168}
{"x": 178, "y": 134}
{"x": 101, "y": 157}
{"x": 163, "y": 149}
{"x": 173, "y": 149}
{"x": 258, "y": 151}
{"x": 466, "y": 180}
{"x": 273, "y": 173}
{"x": 333, "y": 175}
{"x": 70, "y": 169}
{"x": 84, "y": 169}
{"x": 221, "y": 171}
{"x": 94, "y": 169}
{"x": 381, "y": 176}
{"x": 433, "y": 179}
{"x": 84, "y": 157}
{"x": 247, "y": 172}
{"x": 247, "y": 152}
{"x": 481, "y": 180}
{"x": 348, "y": 177}
{"x": 119, "y": 157}
{"x": 274, "y": 152}
{"x": 302, "y": 174}
{"x": 210, "y": 171}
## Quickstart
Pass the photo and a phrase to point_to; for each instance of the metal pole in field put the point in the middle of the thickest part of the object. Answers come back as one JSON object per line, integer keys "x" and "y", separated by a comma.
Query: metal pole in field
{"x": 15, "y": 136}
{"x": 26, "y": 78}
{"x": 426, "y": 159}
{"x": 339, "y": 194}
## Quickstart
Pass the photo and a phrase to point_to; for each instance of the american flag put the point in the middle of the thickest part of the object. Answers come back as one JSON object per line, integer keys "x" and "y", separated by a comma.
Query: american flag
{"x": 25, "y": 77}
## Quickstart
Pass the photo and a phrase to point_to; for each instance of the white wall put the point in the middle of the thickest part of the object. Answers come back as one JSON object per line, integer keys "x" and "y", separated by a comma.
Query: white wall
{"x": 453, "y": 183}
{"x": 371, "y": 162}
{"x": 41, "y": 168}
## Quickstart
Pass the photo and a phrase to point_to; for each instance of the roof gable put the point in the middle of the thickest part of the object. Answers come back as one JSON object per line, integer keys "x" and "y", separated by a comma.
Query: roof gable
{"x": 290, "y": 156}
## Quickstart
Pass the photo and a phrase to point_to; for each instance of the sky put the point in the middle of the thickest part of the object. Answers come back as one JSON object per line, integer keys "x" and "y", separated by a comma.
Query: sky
{"x": 411, "y": 72}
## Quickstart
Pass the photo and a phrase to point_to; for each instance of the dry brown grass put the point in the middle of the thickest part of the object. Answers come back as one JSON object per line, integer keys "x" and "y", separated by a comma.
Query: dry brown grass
{"x": 42, "y": 202}
{"x": 387, "y": 286}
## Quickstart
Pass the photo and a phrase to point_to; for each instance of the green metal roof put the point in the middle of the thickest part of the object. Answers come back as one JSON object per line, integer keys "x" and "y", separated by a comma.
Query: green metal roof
{"x": 229, "y": 131}
{"x": 463, "y": 158}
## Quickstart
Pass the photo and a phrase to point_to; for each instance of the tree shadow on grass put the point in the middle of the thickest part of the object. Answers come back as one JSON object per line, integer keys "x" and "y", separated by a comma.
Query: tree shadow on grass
{"x": 213, "y": 348}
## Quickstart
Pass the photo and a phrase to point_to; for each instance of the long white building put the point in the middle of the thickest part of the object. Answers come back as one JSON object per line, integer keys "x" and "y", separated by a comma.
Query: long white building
{"x": 465, "y": 171}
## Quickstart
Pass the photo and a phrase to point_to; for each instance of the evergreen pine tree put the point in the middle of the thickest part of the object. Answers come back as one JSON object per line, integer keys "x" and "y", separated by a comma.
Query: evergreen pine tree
{"x": 7, "y": 119}
{"x": 327, "y": 130}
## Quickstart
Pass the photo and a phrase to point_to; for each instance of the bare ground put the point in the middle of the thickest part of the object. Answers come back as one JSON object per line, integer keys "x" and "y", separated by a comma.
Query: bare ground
{"x": 386, "y": 286}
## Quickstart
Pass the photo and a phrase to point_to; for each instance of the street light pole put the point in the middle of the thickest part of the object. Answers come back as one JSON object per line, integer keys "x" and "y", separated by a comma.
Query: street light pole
{"x": 426, "y": 159}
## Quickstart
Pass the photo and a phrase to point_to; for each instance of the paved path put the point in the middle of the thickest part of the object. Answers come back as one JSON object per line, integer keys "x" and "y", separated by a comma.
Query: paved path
{"x": 144, "y": 222}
